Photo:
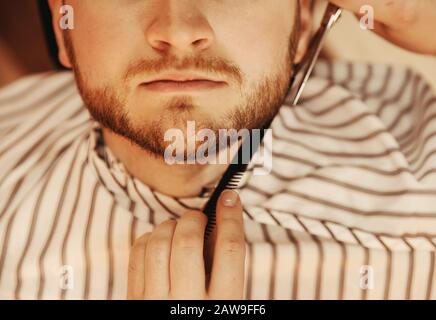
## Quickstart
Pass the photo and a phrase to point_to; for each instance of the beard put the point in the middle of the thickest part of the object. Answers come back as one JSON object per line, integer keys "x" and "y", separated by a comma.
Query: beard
{"x": 257, "y": 107}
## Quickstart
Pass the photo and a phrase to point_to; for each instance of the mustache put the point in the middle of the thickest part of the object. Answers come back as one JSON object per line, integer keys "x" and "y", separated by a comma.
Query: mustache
{"x": 216, "y": 66}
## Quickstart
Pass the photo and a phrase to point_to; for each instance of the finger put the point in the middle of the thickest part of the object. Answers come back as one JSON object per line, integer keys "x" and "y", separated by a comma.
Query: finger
{"x": 135, "y": 278}
{"x": 405, "y": 24}
{"x": 157, "y": 261}
{"x": 187, "y": 275}
{"x": 227, "y": 278}
{"x": 393, "y": 13}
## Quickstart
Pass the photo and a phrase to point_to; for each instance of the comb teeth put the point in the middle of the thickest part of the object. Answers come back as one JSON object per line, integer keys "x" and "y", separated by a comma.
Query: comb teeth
{"x": 235, "y": 180}
{"x": 230, "y": 180}
{"x": 233, "y": 183}
{"x": 211, "y": 224}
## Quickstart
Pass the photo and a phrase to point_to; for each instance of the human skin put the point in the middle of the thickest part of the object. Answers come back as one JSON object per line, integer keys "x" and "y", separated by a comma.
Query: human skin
{"x": 252, "y": 52}
{"x": 389, "y": 27}
{"x": 161, "y": 262}
{"x": 169, "y": 262}
{"x": 254, "y": 38}
{"x": 408, "y": 24}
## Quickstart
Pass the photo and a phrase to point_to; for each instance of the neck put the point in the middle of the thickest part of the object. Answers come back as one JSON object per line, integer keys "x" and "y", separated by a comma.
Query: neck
{"x": 179, "y": 180}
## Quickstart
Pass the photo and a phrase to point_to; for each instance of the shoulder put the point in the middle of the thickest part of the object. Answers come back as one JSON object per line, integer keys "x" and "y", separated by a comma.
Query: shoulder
{"x": 377, "y": 81}
{"x": 34, "y": 85}
{"x": 360, "y": 115}
{"x": 41, "y": 116}
{"x": 42, "y": 119}
{"x": 38, "y": 98}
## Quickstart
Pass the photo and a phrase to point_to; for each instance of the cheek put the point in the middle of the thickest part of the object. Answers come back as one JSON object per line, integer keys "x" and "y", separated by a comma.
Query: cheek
{"x": 104, "y": 50}
{"x": 258, "y": 46}
{"x": 260, "y": 52}
{"x": 258, "y": 40}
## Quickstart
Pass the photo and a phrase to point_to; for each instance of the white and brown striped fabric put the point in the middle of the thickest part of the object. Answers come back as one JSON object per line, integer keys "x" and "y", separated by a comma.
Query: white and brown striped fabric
{"x": 348, "y": 212}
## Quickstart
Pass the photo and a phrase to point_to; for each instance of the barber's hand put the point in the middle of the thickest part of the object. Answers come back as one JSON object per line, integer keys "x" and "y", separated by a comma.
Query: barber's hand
{"x": 410, "y": 24}
{"x": 169, "y": 263}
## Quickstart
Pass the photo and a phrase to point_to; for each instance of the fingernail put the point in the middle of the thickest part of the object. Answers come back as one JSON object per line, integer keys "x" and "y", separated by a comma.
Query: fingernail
{"x": 229, "y": 198}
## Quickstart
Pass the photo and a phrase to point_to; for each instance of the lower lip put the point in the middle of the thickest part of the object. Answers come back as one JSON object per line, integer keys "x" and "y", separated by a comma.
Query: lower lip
{"x": 171, "y": 86}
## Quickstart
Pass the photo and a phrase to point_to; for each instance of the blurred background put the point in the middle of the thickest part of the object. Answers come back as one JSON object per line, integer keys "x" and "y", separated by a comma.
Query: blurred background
{"x": 24, "y": 50}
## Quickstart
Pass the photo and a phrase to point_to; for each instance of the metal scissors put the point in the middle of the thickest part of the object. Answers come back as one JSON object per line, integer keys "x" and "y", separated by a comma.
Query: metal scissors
{"x": 301, "y": 74}
{"x": 303, "y": 70}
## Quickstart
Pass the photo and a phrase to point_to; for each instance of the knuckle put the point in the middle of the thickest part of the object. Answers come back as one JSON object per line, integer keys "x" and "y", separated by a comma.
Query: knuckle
{"x": 232, "y": 245}
{"x": 189, "y": 241}
{"x": 137, "y": 249}
{"x": 160, "y": 239}
{"x": 158, "y": 243}
{"x": 133, "y": 261}
{"x": 406, "y": 12}
{"x": 169, "y": 223}
{"x": 189, "y": 236}
{"x": 195, "y": 216}
{"x": 231, "y": 225}
{"x": 133, "y": 267}
{"x": 140, "y": 242}
{"x": 231, "y": 222}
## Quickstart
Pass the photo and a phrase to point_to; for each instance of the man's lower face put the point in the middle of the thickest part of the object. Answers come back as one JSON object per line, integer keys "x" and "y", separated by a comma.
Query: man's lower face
{"x": 143, "y": 115}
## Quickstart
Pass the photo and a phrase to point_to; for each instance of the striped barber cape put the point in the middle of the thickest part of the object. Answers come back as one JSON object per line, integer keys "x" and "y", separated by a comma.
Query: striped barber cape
{"x": 348, "y": 211}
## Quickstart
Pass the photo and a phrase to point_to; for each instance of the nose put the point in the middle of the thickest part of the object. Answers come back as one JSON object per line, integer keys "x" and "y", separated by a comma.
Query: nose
{"x": 180, "y": 27}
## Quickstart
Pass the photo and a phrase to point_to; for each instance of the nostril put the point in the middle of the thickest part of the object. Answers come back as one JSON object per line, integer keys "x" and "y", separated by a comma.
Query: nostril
{"x": 196, "y": 42}
{"x": 161, "y": 45}
{"x": 200, "y": 43}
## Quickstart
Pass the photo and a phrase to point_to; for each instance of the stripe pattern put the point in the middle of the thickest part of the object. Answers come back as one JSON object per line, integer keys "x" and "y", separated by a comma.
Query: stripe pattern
{"x": 347, "y": 212}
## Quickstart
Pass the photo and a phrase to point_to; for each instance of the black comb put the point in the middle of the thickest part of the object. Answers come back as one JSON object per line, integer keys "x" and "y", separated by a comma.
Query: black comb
{"x": 231, "y": 178}
{"x": 234, "y": 173}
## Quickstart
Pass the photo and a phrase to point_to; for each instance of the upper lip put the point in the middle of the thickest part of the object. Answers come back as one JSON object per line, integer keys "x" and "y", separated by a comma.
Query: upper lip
{"x": 181, "y": 77}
